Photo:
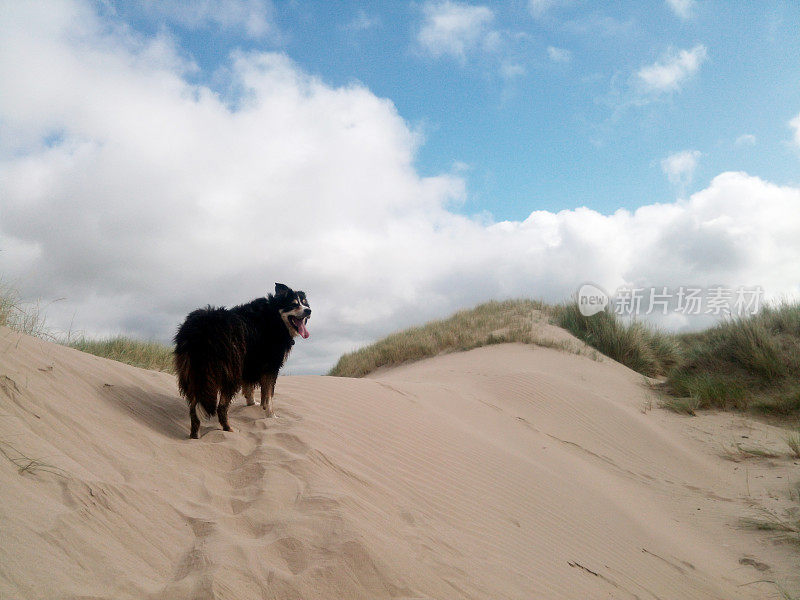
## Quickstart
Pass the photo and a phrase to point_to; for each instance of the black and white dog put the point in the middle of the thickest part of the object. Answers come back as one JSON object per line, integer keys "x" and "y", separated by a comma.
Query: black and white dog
{"x": 219, "y": 351}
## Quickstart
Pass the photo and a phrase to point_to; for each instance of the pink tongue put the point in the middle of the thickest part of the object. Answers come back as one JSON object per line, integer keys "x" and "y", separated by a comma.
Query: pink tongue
{"x": 301, "y": 327}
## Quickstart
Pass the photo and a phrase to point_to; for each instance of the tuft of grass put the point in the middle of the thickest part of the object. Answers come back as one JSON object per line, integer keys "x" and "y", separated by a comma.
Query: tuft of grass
{"x": 649, "y": 351}
{"x": 490, "y": 323}
{"x": 683, "y": 406}
{"x": 708, "y": 390}
{"x": 24, "y": 318}
{"x": 788, "y": 528}
{"x": 793, "y": 441}
{"x": 144, "y": 354}
{"x": 747, "y": 363}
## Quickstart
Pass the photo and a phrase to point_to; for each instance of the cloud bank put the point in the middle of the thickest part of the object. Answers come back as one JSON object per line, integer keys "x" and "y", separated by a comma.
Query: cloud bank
{"x": 138, "y": 196}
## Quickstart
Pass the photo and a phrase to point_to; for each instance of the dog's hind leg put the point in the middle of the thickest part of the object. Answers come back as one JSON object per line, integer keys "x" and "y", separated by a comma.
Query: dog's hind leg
{"x": 194, "y": 418}
{"x": 267, "y": 392}
{"x": 222, "y": 410}
{"x": 247, "y": 390}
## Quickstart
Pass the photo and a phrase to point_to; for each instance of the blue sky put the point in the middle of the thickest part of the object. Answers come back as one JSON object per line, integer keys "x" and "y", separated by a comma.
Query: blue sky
{"x": 397, "y": 161}
{"x": 530, "y": 128}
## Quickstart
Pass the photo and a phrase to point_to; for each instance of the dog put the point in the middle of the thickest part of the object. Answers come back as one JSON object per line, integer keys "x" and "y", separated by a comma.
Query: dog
{"x": 219, "y": 351}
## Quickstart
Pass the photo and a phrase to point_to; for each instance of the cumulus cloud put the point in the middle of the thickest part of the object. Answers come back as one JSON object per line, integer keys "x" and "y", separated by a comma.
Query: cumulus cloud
{"x": 680, "y": 166}
{"x": 138, "y": 196}
{"x": 560, "y": 55}
{"x": 681, "y": 8}
{"x": 670, "y": 73}
{"x": 453, "y": 28}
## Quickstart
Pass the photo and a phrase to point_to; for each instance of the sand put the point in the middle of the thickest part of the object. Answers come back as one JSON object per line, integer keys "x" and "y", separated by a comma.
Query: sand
{"x": 506, "y": 472}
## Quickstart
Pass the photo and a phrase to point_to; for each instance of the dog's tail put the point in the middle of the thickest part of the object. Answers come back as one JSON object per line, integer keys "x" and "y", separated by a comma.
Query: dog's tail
{"x": 195, "y": 382}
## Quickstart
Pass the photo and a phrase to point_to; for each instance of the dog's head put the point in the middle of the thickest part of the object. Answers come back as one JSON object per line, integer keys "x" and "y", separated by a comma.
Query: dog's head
{"x": 294, "y": 309}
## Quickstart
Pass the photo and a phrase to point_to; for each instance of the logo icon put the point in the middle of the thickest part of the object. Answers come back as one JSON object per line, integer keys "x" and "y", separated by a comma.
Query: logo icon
{"x": 591, "y": 300}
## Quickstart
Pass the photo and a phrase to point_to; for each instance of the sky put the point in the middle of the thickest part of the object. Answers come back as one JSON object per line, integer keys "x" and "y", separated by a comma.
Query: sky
{"x": 397, "y": 161}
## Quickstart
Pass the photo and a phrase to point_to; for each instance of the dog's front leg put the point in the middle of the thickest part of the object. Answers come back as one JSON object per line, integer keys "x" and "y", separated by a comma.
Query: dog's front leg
{"x": 247, "y": 390}
{"x": 267, "y": 392}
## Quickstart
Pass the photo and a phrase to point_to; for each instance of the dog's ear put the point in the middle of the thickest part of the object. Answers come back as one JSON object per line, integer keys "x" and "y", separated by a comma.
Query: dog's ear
{"x": 282, "y": 290}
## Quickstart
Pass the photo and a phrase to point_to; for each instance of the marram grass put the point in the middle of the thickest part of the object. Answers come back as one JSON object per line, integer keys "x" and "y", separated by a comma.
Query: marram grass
{"x": 143, "y": 354}
{"x": 490, "y": 323}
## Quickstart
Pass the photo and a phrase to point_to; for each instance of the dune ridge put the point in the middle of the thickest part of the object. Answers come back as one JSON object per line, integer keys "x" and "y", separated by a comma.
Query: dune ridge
{"x": 509, "y": 471}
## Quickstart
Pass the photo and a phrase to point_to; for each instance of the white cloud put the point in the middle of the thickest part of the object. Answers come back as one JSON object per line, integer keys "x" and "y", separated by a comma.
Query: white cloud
{"x": 746, "y": 139}
{"x": 539, "y": 8}
{"x": 454, "y": 28}
{"x": 559, "y": 54}
{"x": 682, "y": 8}
{"x": 668, "y": 74}
{"x": 253, "y": 17}
{"x": 139, "y": 196}
{"x": 680, "y": 166}
{"x": 795, "y": 124}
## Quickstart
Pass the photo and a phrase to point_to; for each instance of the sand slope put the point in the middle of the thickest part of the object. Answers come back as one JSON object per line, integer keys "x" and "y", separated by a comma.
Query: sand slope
{"x": 506, "y": 472}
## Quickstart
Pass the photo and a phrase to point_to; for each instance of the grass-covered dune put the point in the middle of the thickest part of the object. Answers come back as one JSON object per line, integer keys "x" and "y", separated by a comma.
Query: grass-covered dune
{"x": 29, "y": 319}
{"x": 641, "y": 348}
{"x": 489, "y": 323}
{"x": 741, "y": 364}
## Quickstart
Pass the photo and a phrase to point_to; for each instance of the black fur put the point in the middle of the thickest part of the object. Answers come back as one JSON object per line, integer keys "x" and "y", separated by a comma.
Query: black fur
{"x": 218, "y": 350}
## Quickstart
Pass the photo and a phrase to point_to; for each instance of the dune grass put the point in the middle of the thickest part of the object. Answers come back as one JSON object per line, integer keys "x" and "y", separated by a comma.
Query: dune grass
{"x": 786, "y": 526}
{"x": 793, "y": 441}
{"x": 490, "y": 323}
{"x": 139, "y": 353}
{"x": 745, "y": 364}
{"x": 636, "y": 345}
{"x": 21, "y": 317}
{"x": 30, "y": 320}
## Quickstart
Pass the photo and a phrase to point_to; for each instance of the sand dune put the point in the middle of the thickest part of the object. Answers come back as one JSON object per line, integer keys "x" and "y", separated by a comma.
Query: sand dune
{"x": 506, "y": 472}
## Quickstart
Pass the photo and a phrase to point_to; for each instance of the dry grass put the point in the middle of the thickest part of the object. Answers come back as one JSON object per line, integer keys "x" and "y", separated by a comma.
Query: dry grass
{"x": 490, "y": 323}
{"x": 793, "y": 441}
{"x": 30, "y": 320}
{"x": 144, "y": 354}
{"x": 21, "y": 317}
{"x": 26, "y": 464}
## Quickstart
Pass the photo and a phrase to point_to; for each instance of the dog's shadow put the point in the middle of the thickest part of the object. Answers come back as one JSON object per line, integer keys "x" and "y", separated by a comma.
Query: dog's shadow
{"x": 164, "y": 413}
